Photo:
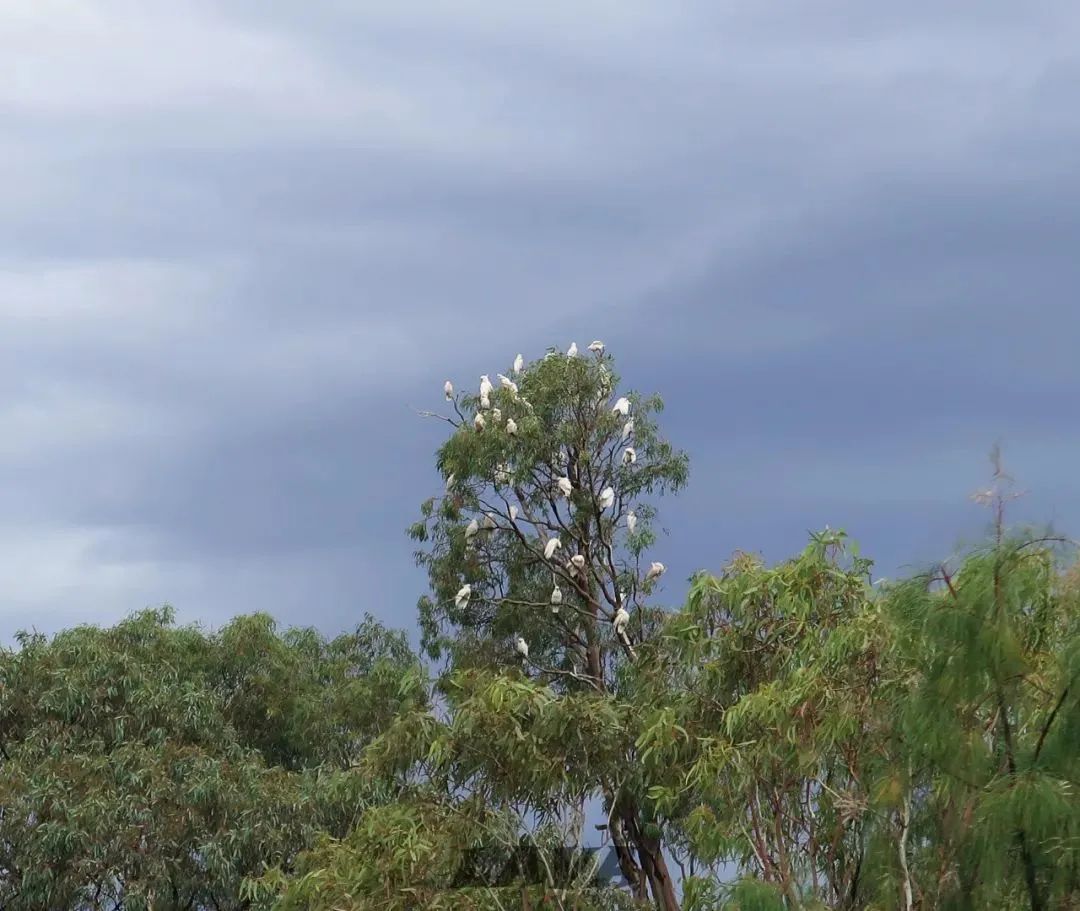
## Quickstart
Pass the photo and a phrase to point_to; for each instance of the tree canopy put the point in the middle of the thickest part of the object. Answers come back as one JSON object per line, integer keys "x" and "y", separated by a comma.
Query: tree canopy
{"x": 791, "y": 736}
{"x": 156, "y": 766}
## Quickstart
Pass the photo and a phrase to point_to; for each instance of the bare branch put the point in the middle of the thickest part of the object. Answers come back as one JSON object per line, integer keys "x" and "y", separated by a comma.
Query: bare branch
{"x": 434, "y": 414}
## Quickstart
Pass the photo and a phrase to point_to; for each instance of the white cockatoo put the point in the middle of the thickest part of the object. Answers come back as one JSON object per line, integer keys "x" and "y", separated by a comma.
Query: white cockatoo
{"x": 556, "y": 599}
{"x": 463, "y": 595}
{"x": 448, "y": 388}
{"x": 597, "y": 347}
{"x": 607, "y": 498}
{"x": 572, "y": 350}
{"x": 478, "y": 422}
{"x": 513, "y": 513}
{"x": 489, "y": 521}
{"x": 565, "y": 487}
{"x": 450, "y": 482}
{"x": 655, "y": 571}
{"x": 496, "y": 415}
{"x": 631, "y": 522}
{"x": 508, "y": 383}
{"x": 471, "y": 529}
{"x": 485, "y": 386}
{"x": 552, "y": 545}
{"x": 522, "y": 648}
{"x": 622, "y": 406}
{"x": 519, "y": 364}
{"x": 621, "y": 619}
{"x": 575, "y": 564}
{"x": 511, "y": 426}
{"x": 629, "y": 456}
{"x": 627, "y": 430}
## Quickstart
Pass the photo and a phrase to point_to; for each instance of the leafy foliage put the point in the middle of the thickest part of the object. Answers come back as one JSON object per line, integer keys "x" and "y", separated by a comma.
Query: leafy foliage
{"x": 153, "y": 766}
{"x": 538, "y": 543}
{"x": 565, "y": 428}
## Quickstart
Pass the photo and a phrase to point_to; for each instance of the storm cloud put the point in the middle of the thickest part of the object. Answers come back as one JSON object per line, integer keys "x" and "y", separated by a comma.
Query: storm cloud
{"x": 241, "y": 241}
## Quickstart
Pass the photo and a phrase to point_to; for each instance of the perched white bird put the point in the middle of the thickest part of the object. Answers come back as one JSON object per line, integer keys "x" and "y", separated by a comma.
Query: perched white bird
{"x": 471, "y": 529}
{"x": 450, "y": 482}
{"x": 627, "y": 430}
{"x": 463, "y": 595}
{"x": 575, "y": 564}
{"x": 622, "y": 618}
{"x": 572, "y": 350}
{"x": 508, "y": 383}
{"x": 522, "y": 648}
{"x": 511, "y": 426}
{"x": 485, "y": 386}
{"x": 607, "y": 498}
{"x": 622, "y": 406}
{"x": 629, "y": 456}
{"x": 552, "y": 545}
{"x": 519, "y": 363}
{"x": 448, "y": 388}
{"x": 597, "y": 347}
{"x": 655, "y": 571}
{"x": 513, "y": 513}
{"x": 565, "y": 487}
{"x": 478, "y": 421}
{"x": 556, "y": 599}
{"x": 496, "y": 415}
{"x": 631, "y": 522}
{"x": 489, "y": 521}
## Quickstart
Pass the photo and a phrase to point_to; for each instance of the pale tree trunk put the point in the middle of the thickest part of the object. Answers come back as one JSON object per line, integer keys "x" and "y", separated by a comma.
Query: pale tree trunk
{"x": 905, "y": 873}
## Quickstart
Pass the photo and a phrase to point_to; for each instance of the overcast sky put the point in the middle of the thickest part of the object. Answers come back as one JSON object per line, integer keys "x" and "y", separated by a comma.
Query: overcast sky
{"x": 240, "y": 239}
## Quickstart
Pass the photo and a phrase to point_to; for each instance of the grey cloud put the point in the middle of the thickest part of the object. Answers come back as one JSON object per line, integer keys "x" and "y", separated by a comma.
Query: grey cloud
{"x": 242, "y": 241}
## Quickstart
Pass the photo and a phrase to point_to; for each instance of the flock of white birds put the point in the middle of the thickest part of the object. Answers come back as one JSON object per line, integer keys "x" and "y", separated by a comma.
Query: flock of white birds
{"x": 605, "y": 500}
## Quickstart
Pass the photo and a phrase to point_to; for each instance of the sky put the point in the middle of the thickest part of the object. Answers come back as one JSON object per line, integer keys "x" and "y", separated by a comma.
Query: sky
{"x": 242, "y": 240}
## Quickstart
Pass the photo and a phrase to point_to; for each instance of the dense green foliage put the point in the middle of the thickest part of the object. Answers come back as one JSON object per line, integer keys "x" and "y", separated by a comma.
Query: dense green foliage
{"x": 790, "y": 737}
{"x": 150, "y": 766}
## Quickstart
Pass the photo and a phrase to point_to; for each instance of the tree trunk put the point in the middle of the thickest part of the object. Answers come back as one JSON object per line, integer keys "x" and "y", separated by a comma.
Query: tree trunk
{"x": 905, "y": 873}
{"x": 624, "y": 854}
{"x": 653, "y": 864}
{"x": 649, "y": 873}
